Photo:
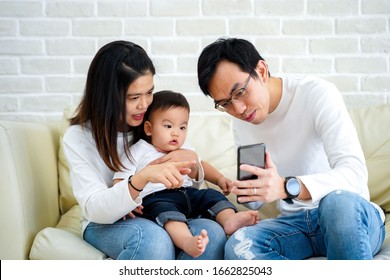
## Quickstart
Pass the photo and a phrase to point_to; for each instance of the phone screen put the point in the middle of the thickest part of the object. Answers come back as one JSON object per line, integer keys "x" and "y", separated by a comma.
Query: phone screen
{"x": 252, "y": 155}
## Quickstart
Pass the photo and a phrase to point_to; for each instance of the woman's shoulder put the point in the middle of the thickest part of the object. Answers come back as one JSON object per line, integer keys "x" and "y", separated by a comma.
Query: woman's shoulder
{"x": 77, "y": 133}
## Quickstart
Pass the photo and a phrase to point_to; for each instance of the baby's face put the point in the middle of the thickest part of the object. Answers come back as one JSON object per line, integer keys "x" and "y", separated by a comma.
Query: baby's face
{"x": 168, "y": 128}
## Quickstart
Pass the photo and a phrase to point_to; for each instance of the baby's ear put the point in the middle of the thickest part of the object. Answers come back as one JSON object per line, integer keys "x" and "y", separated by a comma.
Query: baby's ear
{"x": 148, "y": 128}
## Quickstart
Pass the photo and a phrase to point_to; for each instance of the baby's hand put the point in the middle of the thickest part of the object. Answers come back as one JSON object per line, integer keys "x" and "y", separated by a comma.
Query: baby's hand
{"x": 225, "y": 184}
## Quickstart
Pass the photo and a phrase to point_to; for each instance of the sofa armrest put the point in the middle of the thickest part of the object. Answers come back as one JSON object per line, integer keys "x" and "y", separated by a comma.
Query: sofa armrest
{"x": 28, "y": 185}
{"x": 64, "y": 242}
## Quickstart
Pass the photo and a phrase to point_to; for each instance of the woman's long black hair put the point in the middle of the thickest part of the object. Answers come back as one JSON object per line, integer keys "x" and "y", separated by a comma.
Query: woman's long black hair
{"x": 115, "y": 66}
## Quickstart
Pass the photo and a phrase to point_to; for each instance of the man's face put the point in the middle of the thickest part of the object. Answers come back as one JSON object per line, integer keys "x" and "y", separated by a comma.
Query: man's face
{"x": 228, "y": 78}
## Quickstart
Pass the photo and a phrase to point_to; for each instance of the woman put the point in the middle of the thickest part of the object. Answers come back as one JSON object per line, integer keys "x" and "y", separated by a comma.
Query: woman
{"x": 118, "y": 91}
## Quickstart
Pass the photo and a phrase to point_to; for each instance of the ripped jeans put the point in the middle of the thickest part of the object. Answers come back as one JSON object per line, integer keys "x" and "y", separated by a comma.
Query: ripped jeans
{"x": 344, "y": 226}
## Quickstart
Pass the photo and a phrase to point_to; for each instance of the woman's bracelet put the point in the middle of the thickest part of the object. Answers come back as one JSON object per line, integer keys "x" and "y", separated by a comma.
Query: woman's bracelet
{"x": 131, "y": 184}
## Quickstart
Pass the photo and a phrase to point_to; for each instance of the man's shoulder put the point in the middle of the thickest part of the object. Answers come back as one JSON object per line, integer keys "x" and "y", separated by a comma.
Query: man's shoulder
{"x": 305, "y": 80}
{"x": 307, "y": 86}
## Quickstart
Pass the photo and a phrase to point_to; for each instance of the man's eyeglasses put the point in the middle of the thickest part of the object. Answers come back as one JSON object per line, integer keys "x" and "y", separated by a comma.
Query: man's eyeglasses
{"x": 237, "y": 96}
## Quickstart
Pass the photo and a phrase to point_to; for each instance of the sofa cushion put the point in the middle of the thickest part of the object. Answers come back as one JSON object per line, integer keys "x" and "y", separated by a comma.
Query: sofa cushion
{"x": 373, "y": 128}
{"x": 67, "y": 199}
{"x": 212, "y": 138}
{"x": 64, "y": 242}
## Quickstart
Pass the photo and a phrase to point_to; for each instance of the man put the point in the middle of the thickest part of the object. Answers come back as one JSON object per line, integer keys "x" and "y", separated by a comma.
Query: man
{"x": 315, "y": 166}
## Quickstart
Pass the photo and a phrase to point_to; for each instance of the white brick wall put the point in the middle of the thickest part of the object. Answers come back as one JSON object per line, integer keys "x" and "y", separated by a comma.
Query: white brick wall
{"x": 46, "y": 45}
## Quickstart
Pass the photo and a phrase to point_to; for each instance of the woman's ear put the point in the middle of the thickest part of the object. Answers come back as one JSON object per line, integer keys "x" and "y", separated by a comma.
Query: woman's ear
{"x": 148, "y": 128}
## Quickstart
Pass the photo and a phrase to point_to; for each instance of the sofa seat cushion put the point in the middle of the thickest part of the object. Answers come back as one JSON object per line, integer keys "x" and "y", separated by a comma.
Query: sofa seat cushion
{"x": 64, "y": 242}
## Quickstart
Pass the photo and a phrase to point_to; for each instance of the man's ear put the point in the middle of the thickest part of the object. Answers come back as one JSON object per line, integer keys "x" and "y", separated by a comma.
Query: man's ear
{"x": 262, "y": 70}
{"x": 148, "y": 128}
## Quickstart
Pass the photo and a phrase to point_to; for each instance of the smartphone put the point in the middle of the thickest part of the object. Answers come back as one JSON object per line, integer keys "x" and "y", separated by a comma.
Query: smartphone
{"x": 252, "y": 155}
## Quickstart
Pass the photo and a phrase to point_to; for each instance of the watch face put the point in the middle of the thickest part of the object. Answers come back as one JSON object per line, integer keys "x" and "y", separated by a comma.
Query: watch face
{"x": 293, "y": 186}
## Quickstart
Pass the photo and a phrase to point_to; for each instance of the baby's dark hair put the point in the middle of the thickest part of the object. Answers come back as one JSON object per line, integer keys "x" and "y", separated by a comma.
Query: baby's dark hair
{"x": 162, "y": 101}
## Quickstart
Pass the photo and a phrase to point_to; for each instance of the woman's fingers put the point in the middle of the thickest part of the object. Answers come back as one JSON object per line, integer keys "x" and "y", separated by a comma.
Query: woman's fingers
{"x": 169, "y": 173}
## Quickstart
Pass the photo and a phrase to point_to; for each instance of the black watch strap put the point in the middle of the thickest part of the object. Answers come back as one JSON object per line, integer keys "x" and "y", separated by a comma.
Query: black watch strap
{"x": 289, "y": 200}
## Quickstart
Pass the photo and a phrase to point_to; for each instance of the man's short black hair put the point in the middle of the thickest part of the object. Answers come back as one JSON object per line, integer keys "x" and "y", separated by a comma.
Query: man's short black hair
{"x": 235, "y": 50}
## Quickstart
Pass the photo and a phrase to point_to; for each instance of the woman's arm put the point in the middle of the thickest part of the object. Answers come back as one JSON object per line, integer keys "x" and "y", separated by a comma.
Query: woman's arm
{"x": 91, "y": 180}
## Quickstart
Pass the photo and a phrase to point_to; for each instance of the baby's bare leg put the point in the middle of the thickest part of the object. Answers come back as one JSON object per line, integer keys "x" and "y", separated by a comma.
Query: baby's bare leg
{"x": 182, "y": 238}
{"x": 232, "y": 221}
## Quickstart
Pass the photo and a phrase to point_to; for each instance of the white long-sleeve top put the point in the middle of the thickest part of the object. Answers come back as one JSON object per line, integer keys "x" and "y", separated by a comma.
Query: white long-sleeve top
{"x": 310, "y": 135}
{"x": 91, "y": 179}
{"x": 142, "y": 154}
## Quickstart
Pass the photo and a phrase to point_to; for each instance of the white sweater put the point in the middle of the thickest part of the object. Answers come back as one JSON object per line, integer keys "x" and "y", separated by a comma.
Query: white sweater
{"x": 91, "y": 179}
{"x": 310, "y": 135}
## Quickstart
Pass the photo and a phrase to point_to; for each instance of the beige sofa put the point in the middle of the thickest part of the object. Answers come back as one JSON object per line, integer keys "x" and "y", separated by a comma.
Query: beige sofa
{"x": 40, "y": 218}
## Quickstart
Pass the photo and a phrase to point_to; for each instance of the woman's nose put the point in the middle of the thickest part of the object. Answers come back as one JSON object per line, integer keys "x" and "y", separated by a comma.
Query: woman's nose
{"x": 142, "y": 104}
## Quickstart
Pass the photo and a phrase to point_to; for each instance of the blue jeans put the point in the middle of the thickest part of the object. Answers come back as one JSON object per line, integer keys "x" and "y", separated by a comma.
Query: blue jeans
{"x": 142, "y": 239}
{"x": 344, "y": 226}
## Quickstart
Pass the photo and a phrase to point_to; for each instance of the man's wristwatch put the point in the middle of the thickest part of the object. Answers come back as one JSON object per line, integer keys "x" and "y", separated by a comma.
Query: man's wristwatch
{"x": 292, "y": 186}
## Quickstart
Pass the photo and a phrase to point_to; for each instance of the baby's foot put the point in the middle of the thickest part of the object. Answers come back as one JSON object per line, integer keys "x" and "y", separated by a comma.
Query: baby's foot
{"x": 196, "y": 245}
{"x": 239, "y": 220}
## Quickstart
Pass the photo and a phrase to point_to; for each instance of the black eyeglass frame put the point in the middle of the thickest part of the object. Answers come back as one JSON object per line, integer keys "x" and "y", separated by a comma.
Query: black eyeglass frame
{"x": 222, "y": 104}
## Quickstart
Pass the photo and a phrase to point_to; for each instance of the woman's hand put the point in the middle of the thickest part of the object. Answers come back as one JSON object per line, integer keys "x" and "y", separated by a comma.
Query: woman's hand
{"x": 181, "y": 155}
{"x": 268, "y": 186}
{"x": 137, "y": 210}
{"x": 168, "y": 173}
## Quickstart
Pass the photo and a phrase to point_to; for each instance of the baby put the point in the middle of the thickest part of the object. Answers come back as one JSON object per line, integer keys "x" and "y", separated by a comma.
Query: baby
{"x": 164, "y": 131}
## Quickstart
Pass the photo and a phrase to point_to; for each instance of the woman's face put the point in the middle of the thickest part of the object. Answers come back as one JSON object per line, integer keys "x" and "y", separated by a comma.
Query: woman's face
{"x": 139, "y": 96}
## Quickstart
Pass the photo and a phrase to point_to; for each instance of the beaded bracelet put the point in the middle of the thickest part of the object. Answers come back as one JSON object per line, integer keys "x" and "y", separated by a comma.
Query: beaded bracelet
{"x": 131, "y": 184}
